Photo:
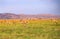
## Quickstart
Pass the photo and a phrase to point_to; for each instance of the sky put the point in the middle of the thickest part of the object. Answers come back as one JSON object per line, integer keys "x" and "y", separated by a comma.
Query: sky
{"x": 30, "y": 6}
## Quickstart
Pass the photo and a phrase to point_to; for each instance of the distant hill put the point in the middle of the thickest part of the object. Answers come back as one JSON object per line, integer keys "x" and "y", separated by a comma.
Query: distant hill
{"x": 23, "y": 16}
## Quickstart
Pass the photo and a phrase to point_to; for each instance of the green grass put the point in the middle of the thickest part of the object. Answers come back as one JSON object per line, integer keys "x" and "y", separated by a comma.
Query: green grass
{"x": 31, "y": 30}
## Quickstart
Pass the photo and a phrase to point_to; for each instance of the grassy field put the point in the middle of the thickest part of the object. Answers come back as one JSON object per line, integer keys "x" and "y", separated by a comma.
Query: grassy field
{"x": 29, "y": 29}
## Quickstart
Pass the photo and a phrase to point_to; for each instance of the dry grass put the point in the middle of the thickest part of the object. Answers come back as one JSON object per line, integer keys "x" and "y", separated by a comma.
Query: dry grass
{"x": 29, "y": 29}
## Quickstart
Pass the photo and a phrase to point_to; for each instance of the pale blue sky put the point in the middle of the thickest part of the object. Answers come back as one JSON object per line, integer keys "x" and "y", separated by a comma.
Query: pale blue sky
{"x": 29, "y": 6}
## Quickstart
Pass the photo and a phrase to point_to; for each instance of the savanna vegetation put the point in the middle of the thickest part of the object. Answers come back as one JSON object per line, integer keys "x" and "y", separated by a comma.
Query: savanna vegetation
{"x": 30, "y": 29}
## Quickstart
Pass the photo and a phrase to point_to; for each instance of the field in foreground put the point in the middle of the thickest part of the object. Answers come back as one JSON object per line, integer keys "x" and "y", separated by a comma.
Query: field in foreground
{"x": 29, "y": 29}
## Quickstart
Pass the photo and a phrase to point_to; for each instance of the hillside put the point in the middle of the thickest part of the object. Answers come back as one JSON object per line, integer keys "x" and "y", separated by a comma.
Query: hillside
{"x": 23, "y": 16}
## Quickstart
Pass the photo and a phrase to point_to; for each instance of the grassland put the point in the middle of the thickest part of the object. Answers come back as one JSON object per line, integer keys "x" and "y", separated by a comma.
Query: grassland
{"x": 29, "y": 29}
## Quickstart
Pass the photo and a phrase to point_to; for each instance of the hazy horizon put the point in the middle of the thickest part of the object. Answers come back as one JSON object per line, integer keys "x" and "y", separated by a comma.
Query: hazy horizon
{"x": 30, "y": 6}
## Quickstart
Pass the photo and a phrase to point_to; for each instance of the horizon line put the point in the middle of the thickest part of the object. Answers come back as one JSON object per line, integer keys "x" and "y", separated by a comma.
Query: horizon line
{"x": 31, "y": 14}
